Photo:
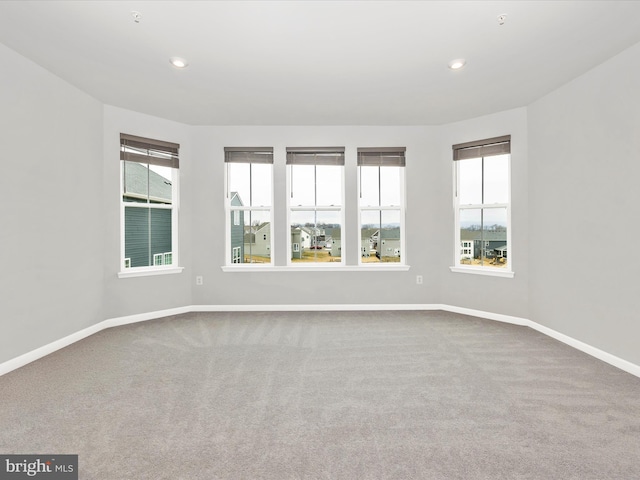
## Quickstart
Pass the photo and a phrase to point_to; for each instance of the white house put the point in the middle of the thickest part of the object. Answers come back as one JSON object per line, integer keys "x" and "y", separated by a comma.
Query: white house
{"x": 257, "y": 242}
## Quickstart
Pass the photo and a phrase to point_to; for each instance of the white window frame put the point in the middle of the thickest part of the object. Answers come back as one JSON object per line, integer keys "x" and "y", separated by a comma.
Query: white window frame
{"x": 458, "y": 266}
{"x": 125, "y": 263}
{"x": 235, "y": 209}
{"x": 396, "y": 208}
{"x": 316, "y": 208}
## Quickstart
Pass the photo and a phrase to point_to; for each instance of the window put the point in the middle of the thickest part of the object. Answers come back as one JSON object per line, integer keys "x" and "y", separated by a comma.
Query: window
{"x": 482, "y": 203}
{"x": 236, "y": 254}
{"x": 381, "y": 204}
{"x": 316, "y": 193}
{"x": 149, "y": 203}
{"x": 249, "y": 204}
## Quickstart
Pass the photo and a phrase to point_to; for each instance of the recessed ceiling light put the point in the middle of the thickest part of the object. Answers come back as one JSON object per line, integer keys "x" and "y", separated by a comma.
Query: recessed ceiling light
{"x": 457, "y": 64}
{"x": 178, "y": 62}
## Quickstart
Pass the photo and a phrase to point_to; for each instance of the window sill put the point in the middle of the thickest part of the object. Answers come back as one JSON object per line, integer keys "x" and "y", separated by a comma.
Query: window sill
{"x": 317, "y": 268}
{"x": 148, "y": 272}
{"x": 483, "y": 271}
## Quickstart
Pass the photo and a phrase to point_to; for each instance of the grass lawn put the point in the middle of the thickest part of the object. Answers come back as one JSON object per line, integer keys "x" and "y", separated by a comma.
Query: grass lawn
{"x": 322, "y": 256}
{"x": 488, "y": 262}
{"x": 316, "y": 256}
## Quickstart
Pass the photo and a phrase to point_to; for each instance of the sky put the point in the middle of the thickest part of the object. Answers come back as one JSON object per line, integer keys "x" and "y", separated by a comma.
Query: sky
{"x": 375, "y": 190}
{"x": 496, "y": 190}
{"x": 320, "y": 186}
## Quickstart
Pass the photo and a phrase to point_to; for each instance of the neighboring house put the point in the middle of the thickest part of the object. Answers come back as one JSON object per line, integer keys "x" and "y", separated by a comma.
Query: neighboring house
{"x": 336, "y": 243}
{"x": 140, "y": 184}
{"x": 315, "y": 236}
{"x": 237, "y": 230}
{"x": 328, "y": 237}
{"x": 389, "y": 245}
{"x": 296, "y": 243}
{"x": 466, "y": 249}
{"x": 257, "y": 240}
{"x": 307, "y": 236}
{"x": 369, "y": 241}
{"x": 494, "y": 241}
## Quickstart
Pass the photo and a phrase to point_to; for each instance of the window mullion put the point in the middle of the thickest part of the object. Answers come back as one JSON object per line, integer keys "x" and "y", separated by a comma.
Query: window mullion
{"x": 379, "y": 187}
{"x": 482, "y": 245}
{"x": 250, "y": 233}
{"x": 379, "y": 246}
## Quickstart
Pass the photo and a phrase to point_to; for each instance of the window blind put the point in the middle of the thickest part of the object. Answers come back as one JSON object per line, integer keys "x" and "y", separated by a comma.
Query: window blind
{"x": 381, "y": 157}
{"x": 315, "y": 155}
{"x": 248, "y": 154}
{"x": 482, "y": 148}
{"x": 148, "y": 150}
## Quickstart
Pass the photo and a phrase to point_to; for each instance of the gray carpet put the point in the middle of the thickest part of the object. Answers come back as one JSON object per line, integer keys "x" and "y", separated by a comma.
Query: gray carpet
{"x": 325, "y": 395}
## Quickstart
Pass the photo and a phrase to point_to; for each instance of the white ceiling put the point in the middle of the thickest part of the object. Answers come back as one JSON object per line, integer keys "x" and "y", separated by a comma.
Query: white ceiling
{"x": 318, "y": 62}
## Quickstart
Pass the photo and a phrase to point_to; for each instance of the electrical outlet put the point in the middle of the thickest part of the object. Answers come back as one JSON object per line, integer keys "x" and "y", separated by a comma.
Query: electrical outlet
{"x": 199, "y": 280}
{"x": 418, "y": 279}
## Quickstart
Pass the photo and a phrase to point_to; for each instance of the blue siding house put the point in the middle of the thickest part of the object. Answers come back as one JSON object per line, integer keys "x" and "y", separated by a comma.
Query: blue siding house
{"x": 147, "y": 231}
{"x": 237, "y": 230}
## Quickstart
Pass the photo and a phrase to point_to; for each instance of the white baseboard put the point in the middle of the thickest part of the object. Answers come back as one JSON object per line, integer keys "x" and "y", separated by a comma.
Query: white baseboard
{"x": 45, "y": 350}
{"x": 618, "y": 362}
{"x": 143, "y": 317}
{"x": 34, "y": 355}
{"x": 312, "y": 308}
{"x": 498, "y": 317}
{"x": 29, "y": 357}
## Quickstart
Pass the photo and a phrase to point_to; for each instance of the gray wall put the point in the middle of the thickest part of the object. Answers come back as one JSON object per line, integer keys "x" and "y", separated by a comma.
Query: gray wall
{"x": 129, "y": 296}
{"x": 51, "y": 214}
{"x": 282, "y": 288}
{"x": 575, "y": 203}
{"x": 584, "y": 174}
{"x": 508, "y": 296}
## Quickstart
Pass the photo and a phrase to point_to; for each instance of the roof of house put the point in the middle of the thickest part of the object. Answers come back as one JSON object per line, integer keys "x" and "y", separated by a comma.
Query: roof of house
{"x": 236, "y": 200}
{"x": 368, "y": 232}
{"x": 390, "y": 233}
{"x": 313, "y": 231}
{"x": 487, "y": 236}
{"x": 250, "y": 231}
{"x": 136, "y": 178}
